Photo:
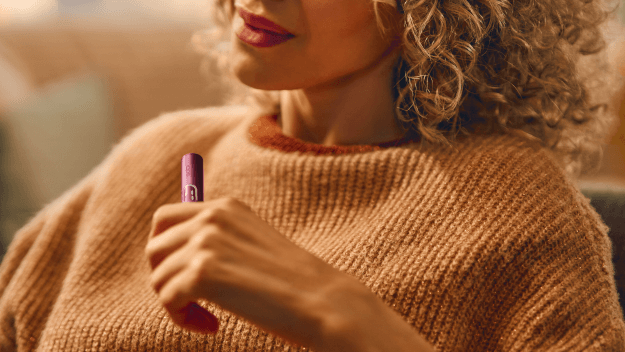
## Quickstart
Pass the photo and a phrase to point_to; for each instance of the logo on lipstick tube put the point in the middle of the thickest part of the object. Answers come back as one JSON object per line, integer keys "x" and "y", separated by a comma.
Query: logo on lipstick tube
{"x": 190, "y": 192}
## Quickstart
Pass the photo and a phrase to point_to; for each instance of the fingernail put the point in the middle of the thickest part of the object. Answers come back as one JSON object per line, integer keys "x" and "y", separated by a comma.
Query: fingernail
{"x": 207, "y": 321}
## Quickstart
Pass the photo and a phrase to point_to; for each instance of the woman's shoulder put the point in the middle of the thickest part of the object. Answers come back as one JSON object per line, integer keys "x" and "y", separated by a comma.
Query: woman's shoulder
{"x": 528, "y": 169}
{"x": 518, "y": 164}
{"x": 504, "y": 144}
{"x": 173, "y": 133}
{"x": 218, "y": 117}
{"x": 501, "y": 152}
{"x": 201, "y": 122}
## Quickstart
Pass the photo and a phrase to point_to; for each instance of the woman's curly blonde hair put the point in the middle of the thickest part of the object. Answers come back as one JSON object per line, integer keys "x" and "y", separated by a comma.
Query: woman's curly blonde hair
{"x": 480, "y": 66}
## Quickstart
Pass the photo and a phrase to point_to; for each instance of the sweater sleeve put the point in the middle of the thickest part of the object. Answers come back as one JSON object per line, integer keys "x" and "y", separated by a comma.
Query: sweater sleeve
{"x": 20, "y": 252}
{"x": 558, "y": 288}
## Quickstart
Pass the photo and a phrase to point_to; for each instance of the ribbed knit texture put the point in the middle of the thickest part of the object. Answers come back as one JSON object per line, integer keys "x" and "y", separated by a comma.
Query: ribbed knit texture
{"x": 485, "y": 248}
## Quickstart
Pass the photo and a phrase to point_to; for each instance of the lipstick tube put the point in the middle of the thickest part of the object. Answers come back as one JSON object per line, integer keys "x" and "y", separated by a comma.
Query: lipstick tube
{"x": 192, "y": 178}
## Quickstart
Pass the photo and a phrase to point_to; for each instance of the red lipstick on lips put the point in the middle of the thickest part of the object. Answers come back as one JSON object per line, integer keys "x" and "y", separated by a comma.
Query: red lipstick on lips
{"x": 260, "y": 32}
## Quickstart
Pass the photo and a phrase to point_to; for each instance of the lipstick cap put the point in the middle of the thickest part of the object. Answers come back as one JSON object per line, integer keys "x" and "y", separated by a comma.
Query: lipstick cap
{"x": 192, "y": 178}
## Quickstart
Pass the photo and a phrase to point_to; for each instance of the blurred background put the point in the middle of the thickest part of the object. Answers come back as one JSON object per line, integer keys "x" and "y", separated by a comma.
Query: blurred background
{"x": 76, "y": 75}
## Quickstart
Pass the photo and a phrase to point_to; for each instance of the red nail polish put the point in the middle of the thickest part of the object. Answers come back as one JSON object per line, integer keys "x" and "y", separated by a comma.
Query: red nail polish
{"x": 201, "y": 318}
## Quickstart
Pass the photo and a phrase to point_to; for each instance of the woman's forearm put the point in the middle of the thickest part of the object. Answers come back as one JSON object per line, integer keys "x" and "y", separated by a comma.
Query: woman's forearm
{"x": 382, "y": 333}
{"x": 361, "y": 322}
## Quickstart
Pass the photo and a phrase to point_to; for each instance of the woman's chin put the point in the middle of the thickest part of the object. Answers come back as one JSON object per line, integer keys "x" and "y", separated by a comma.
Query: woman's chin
{"x": 260, "y": 85}
{"x": 264, "y": 83}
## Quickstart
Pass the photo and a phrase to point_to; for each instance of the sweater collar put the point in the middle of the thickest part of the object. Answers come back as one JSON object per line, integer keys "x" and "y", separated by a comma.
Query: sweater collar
{"x": 265, "y": 132}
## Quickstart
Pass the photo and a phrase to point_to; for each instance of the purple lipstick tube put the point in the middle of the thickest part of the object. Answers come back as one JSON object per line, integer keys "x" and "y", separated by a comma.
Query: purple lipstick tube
{"x": 192, "y": 178}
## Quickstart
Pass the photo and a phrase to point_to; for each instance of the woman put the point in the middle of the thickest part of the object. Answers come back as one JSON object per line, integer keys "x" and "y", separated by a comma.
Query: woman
{"x": 402, "y": 189}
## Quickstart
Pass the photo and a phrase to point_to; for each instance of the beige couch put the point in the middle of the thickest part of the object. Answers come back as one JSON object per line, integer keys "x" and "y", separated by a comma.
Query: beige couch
{"x": 149, "y": 68}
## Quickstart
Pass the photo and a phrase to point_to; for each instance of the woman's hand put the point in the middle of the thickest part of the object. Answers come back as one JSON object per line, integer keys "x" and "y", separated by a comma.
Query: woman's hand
{"x": 221, "y": 251}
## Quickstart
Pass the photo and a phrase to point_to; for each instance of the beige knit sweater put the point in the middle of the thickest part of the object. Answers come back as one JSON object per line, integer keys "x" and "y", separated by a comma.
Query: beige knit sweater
{"x": 487, "y": 248}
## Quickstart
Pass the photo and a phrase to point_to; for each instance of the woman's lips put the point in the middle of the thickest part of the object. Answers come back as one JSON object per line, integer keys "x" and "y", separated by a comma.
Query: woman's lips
{"x": 261, "y": 38}
{"x": 262, "y": 23}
